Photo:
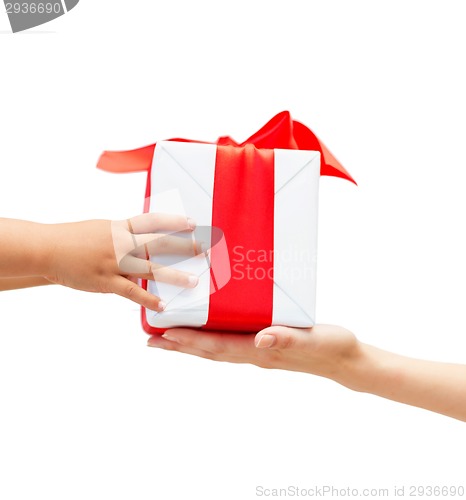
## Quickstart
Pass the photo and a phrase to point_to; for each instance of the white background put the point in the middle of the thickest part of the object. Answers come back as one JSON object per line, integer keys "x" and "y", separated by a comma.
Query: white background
{"x": 87, "y": 410}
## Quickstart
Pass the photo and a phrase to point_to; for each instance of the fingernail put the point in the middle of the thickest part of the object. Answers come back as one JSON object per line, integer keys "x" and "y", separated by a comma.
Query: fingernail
{"x": 162, "y": 305}
{"x": 191, "y": 223}
{"x": 266, "y": 341}
{"x": 193, "y": 280}
{"x": 167, "y": 336}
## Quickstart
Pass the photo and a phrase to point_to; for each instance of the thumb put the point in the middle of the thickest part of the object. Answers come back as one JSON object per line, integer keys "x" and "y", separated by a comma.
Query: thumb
{"x": 281, "y": 337}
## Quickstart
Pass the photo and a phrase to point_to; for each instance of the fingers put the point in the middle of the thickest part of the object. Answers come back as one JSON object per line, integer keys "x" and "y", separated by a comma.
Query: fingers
{"x": 145, "y": 245}
{"x": 232, "y": 344}
{"x": 139, "y": 236}
{"x": 238, "y": 344}
{"x": 145, "y": 269}
{"x": 162, "y": 343}
{"x": 159, "y": 244}
{"x": 129, "y": 290}
{"x": 281, "y": 337}
{"x": 153, "y": 222}
{"x": 217, "y": 354}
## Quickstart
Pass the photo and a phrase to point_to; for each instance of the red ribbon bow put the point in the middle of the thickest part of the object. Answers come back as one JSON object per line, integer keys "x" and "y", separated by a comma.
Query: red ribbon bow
{"x": 281, "y": 132}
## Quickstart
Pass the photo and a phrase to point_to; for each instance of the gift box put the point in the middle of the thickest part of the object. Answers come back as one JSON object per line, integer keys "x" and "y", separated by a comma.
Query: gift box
{"x": 255, "y": 205}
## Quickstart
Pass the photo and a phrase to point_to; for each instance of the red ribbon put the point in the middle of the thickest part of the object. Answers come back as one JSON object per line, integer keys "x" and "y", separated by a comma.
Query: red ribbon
{"x": 281, "y": 132}
{"x": 243, "y": 208}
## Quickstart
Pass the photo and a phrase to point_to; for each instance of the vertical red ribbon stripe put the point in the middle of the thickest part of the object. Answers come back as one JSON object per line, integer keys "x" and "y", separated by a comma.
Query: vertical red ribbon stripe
{"x": 243, "y": 208}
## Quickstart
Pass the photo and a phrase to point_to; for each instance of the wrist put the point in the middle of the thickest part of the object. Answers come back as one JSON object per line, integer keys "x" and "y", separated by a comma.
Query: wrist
{"x": 371, "y": 370}
{"x": 43, "y": 249}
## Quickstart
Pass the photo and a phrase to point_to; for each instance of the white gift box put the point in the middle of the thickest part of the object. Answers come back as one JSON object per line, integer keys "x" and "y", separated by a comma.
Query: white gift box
{"x": 183, "y": 180}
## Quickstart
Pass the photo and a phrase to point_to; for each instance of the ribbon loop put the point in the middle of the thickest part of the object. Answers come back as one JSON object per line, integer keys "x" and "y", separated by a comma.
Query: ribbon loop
{"x": 281, "y": 132}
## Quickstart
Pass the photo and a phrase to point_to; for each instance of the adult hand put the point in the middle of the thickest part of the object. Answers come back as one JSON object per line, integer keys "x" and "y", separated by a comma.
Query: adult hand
{"x": 335, "y": 353}
{"x": 323, "y": 350}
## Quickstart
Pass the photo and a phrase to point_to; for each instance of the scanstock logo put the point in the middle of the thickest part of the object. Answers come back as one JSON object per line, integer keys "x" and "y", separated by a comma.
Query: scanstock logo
{"x": 26, "y": 14}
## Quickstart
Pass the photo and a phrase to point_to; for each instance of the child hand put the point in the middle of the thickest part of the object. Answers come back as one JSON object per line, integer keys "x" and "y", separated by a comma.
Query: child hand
{"x": 108, "y": 256}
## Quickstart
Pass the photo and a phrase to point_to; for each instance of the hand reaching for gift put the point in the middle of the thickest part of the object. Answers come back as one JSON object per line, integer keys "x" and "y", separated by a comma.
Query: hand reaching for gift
{"x": 97, "y": 255}
{"x": 335, "y": 353}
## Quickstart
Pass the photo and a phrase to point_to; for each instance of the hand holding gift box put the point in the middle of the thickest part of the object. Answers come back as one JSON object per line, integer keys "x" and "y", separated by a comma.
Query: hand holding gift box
{"x": 255, "y": 205}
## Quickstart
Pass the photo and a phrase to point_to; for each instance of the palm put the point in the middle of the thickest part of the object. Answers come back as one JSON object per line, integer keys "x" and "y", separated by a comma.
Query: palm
{"x": 318, "y": 350}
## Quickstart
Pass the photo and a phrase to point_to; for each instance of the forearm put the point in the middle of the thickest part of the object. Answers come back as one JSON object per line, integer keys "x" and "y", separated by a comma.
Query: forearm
{"x": 25, "y": 282}
{"x": 439, "y": 387}
{"x": 24, "y": 248}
